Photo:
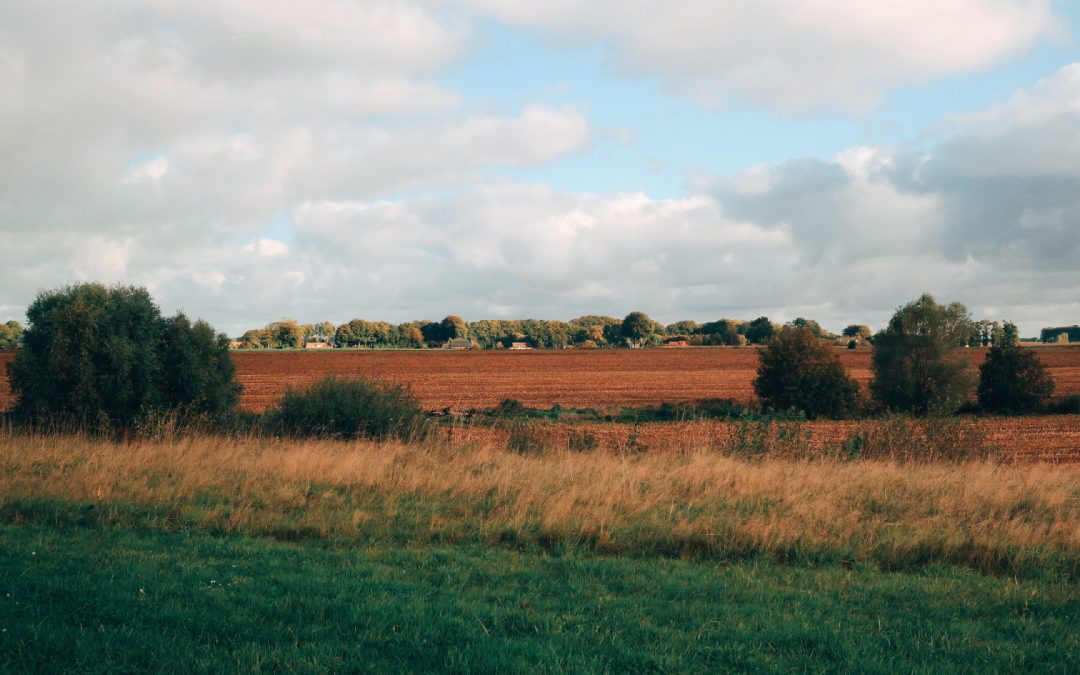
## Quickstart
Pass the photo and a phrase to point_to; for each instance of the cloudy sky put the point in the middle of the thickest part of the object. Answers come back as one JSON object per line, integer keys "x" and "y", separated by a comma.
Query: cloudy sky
{"x": 248, "y": 160}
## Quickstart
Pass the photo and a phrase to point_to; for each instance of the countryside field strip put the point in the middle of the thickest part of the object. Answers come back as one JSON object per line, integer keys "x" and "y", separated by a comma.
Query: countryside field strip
{"x": 614, "y": 378}
{"x": 990, "y": 516}
{"x": 1044, "y": 438}
{"x": 573, "y": 378}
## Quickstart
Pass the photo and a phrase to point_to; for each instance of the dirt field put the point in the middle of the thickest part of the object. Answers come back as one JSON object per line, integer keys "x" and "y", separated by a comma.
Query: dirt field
{"x": 598, "y": 379}
{"x": 475, "y": 379}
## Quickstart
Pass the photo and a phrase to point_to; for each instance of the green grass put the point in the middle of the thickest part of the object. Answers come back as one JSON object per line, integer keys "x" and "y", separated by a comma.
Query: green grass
{"x": 96, "y": 599}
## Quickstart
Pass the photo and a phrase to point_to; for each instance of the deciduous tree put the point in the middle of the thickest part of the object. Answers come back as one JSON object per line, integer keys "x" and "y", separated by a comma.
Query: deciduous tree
{"x": 797, "y": 372}
{"x": 918, "y": 365}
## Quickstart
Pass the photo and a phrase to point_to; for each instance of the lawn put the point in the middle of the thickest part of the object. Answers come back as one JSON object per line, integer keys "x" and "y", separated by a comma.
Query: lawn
{"x": 106, "y": 599}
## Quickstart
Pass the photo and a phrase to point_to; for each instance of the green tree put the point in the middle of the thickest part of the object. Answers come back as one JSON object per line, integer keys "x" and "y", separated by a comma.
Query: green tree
{"x": 197, "y": 372}
{"x": 918, "y": 366}
{"x": 104, "y": 356}
{"x": 10, "y": 334}
{"x": 453, "y": 327}
{"x": 286, "y": 334}
{"x": 637, "y": 328}
{"x": 1012, "y": 380}
{"x": 759, "y": 331}
{"x": 797, "y": 372}
{"x": 857, "y": 331}
{"x": 722, "y": 332}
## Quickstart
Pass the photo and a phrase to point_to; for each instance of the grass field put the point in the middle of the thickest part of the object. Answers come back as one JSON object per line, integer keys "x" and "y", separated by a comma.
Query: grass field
{"x": 89, "y": 599}
{"x": 211, "y": 554}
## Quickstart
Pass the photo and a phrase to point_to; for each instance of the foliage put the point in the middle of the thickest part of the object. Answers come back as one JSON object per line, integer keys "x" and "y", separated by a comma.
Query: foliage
{"x": 1012, "y": 380}
{"x": 283, "y": 334}
{"x": 720, "y": 332}
{"x": 918, "y": 367}
{"x": 10, "y": 334}
{"x": 104, "y": 357}
{"x": 347, "y": 410}
{"x": 197, "y": 372}
{"x": 759, "y": 331}
{"x": 857, "y": 331}
{"x": 637, "y": 328}
{"x": 1053, "y": 334}
{"x": 798, "y": 372}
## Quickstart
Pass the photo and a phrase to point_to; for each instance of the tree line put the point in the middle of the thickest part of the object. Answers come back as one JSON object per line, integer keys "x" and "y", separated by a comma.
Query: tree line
{"x": 918, "y": 368}
{"x": 636, "y": 329}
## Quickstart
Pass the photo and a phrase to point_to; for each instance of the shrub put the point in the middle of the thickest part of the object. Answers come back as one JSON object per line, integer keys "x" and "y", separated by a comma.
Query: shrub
{"x": 798, "y": 372}
{"x": 349, "y": 409}
{"x": 104, "y": 357}
{"x": 1012, "y": 380}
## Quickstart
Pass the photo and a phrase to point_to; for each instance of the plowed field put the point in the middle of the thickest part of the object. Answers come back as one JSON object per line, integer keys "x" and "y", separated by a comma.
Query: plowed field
{"x": 475, "y": 379}
{"x": 597, "y": 379}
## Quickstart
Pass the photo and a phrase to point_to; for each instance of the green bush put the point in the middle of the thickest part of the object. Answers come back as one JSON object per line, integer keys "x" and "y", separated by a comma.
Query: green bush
{"x": 798, "y": 372}
{"x": 349, "y": 409}
{"x": 104, "y": 358}
{"x": 1013, "y": 381}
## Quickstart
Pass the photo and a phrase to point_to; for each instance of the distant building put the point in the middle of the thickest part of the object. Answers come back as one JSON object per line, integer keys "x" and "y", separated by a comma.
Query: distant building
{"x": 520, "y": 345}
{"x": 677, "y": 343}
{"x": 318, "y": 345}
{"x": 458, "y": 343}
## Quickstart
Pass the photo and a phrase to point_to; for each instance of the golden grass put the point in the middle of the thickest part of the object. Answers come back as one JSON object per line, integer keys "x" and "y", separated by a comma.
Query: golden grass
{"x": 992, "y": 516}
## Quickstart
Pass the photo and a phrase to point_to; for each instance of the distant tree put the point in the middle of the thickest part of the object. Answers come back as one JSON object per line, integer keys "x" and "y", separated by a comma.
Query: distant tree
{"x": 1053, "y": 334}
{"x": 10, "y": 334}
{"x": 797, "y": 372}
{"x": 286, "y": 334}
{"x": 857, "y": 331}
{"x": 685, "y": 327}
{"x": 812, "y": 325}
{"x": 721, "y": 332}
{"x": 637, "y": 328}
{"x": 318, "y": 332}
{"x": 454, "y": 327}
{"x": 408, "y": 335}
{"x": 1012, "y": 380}
{"x": 1062, "y": 339}
{"x": 917, "y": 365}
{"x": 759, "y": 331}
{"x": 105, "y": 357}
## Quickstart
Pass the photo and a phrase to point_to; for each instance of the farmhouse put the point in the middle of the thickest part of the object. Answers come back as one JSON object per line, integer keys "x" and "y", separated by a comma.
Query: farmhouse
{"x": 317, "y": 345}
{"x": 458, "y": 343}
{"x": 520, "y": 345}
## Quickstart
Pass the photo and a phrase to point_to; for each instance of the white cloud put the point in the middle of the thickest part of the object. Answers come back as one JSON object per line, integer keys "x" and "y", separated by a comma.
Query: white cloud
{"x": 796, "y": 54}
{"x": 266, "y": 248}
{"x": 153, "y": 170}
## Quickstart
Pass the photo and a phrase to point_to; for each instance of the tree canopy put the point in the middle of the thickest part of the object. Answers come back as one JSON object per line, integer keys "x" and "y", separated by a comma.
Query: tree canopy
{"x": 105, "y": 357}
{"x": 918, "y": 367}
{"x": 1012, "y": 380}
{"x": 797, "y": 372}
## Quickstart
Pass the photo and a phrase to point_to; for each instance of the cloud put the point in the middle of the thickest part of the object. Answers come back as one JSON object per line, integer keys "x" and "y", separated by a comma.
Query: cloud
{"x": 989, "y": 216}
{"x": 794, "y": 54}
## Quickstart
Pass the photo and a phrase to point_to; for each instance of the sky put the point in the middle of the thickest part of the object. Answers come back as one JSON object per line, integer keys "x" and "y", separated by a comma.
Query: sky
{"x": 249, "y": 160}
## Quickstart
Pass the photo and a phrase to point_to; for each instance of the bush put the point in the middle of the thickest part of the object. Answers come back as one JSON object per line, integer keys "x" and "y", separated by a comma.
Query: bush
{"x": 349, "y": 409}
{"x": 98, "y": 357}
{"x": 1012, "y": 381}
{"x": 798, "y": 372}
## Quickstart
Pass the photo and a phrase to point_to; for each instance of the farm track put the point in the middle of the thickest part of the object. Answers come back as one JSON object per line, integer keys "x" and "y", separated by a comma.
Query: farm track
{"x": 606, "y": 379}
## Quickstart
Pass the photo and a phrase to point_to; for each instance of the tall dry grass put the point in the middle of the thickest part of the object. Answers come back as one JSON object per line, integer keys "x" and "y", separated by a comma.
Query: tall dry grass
{"x": 1017, "y": 519}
